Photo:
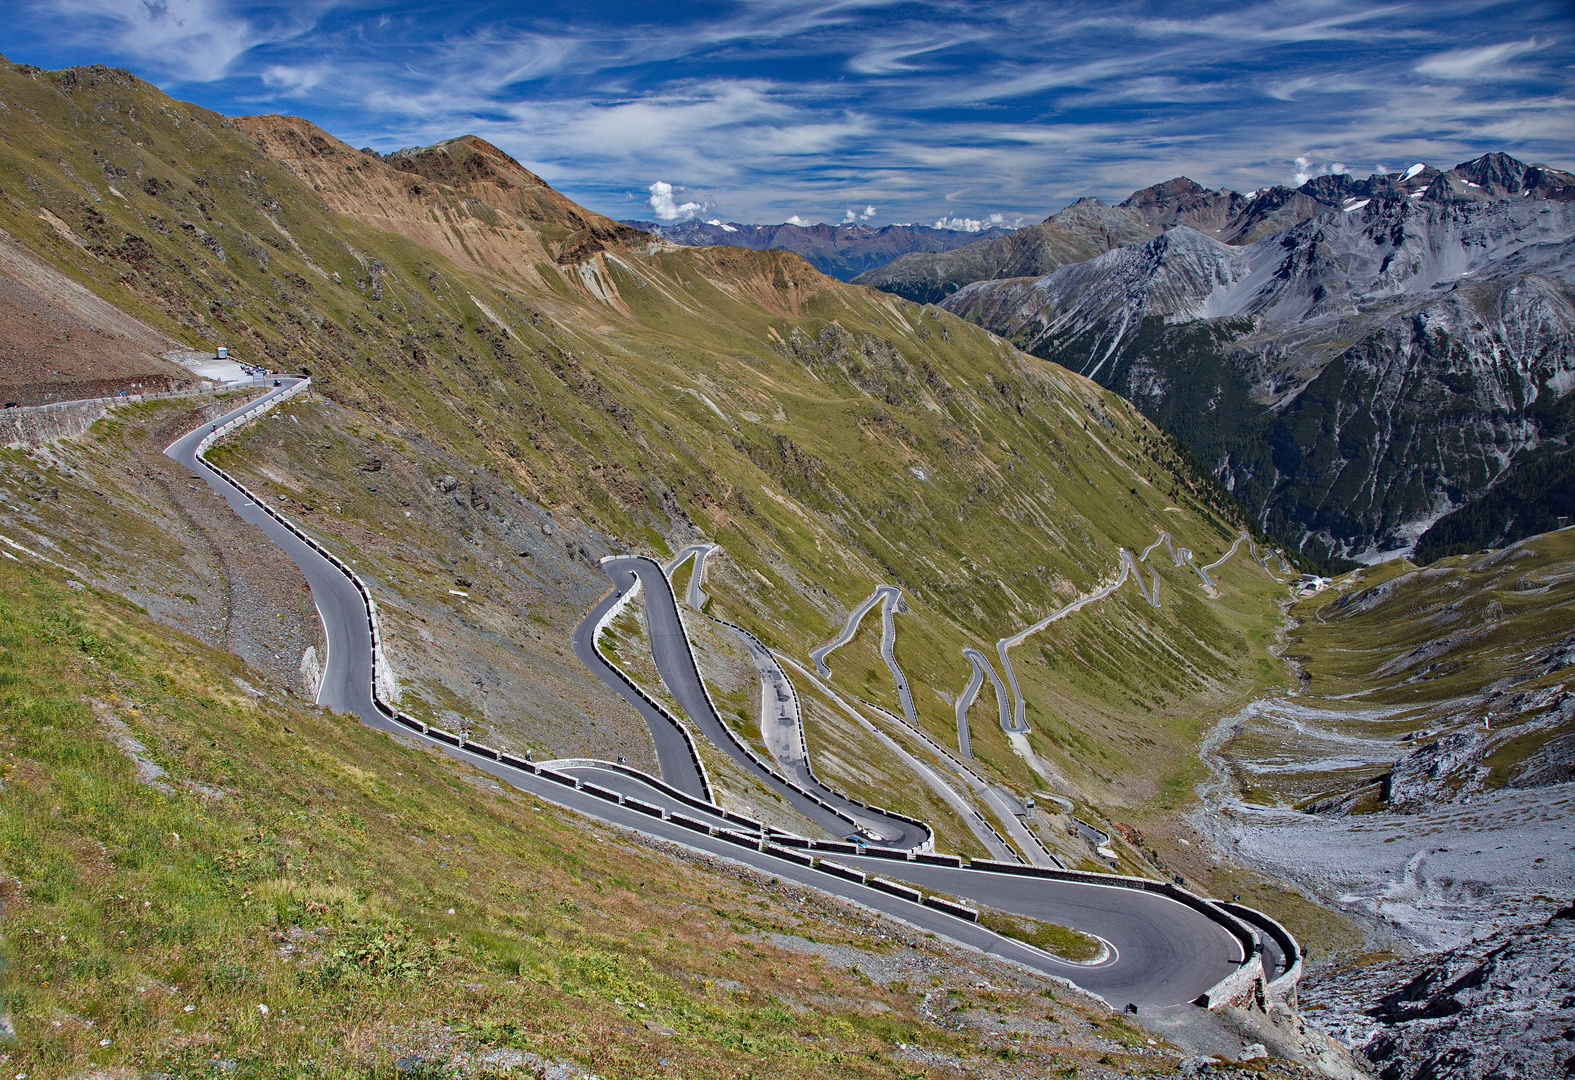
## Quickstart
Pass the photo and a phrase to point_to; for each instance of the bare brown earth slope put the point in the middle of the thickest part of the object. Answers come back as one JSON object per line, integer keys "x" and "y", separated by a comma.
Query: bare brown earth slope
{"x": 58, "y": 341}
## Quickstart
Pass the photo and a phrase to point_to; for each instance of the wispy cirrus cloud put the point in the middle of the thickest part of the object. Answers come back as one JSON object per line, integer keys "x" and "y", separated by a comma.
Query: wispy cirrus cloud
{"x": 184, "y": 40}
{"x": 946, "y": 110}
{"x": 1484, "y": 62}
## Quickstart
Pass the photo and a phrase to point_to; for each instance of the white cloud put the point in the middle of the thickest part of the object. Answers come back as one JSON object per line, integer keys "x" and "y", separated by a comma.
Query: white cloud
{"x": 895, "y": 58}
{"x": 292, "y": 80}
{"x": 666, "y": 206}
{"x": 186, "y": 40}
{"x": 1307, "y": 168}
{"x": 796, "y": 220}
{"x": 989, "y": 221}
{"x": 1484, "y": 62}
{"x": 918, "y": 108}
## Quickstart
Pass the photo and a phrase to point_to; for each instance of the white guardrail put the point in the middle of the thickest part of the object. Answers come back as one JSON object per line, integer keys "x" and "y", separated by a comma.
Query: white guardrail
{"x": 754, "y": 757}
{"x": 804, "y": 748}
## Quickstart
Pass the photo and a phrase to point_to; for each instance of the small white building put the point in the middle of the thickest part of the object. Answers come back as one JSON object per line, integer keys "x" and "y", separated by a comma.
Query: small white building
{"x": 1310, "y": 584}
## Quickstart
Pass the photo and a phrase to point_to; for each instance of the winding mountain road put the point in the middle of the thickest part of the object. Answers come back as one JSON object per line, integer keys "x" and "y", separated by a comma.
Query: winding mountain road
{"x": 892, "y": 604}
{"x": 851, "y": 627}
{"x": 693, "y": 596}
{"x": 676, "y": 758}
{"x": 675, "y": 662}
{"x": 1162, "y": 953}
{"x": 981, "y": 667}
{"x": 1008, "y": 810}
{"x": 966, "y": 699}
{"x": 347, "y": 666}
{"x": 981, "y": 829}
{"x": 1019, "y": 724}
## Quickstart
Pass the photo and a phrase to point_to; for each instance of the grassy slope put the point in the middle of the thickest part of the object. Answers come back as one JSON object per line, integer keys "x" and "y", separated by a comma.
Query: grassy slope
{"x": 1490, "y": 619}
{"x": 314, "y": 869}
{"x": 777, "y": 410}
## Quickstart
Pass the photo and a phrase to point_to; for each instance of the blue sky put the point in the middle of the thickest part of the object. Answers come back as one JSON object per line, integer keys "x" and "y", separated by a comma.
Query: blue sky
{"x": 771, "y": 110}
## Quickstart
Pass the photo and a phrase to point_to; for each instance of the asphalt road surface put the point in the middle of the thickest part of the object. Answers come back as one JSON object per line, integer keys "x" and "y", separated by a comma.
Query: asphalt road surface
{"x": 347, "y": 667}
{"x": 981, "y": 668}
{"x": 1161, "y": 954}
{"x": 851, "y": 627}
{"x": 693, "y": 596}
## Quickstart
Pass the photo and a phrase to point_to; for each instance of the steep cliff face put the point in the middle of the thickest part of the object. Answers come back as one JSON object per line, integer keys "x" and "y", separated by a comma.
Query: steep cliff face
{"x": 1351, "y": 379}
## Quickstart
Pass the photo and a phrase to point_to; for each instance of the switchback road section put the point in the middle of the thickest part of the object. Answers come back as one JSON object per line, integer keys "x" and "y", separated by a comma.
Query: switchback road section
{"x": 1165, "y": 947}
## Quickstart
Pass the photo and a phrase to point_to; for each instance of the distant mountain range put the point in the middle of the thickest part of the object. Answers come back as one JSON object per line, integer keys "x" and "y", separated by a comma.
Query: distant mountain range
{"x": 839, "y": 251}
{"x": 1355, "y": 359}
{"x": 1090, "y": 227}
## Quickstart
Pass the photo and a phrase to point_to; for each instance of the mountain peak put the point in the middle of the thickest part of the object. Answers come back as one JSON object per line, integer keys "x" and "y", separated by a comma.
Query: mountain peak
{"x": 1492, "y": 167}
{"x": 462, "y": 161}
{"x": 407, "y": 184}
{"x": 1167, "y": 193}
{"x": 842, "y": 249}
{"x": 1499, "y": 176}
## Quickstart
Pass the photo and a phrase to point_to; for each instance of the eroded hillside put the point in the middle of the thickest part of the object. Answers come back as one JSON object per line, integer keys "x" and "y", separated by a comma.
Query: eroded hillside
{"x": 1420, "y": 774}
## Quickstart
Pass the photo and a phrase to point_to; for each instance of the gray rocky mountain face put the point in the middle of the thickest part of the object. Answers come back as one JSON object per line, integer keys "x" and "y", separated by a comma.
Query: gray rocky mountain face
{"x": 839, "y": 251}
{"x": 1352, "y": 378}
{"x": 1089, "y": 227}
{"x": 1501, "y": 1008}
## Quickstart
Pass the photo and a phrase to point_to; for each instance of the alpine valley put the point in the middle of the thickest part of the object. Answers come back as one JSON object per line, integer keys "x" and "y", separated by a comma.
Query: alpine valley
{"x": 446, "y": 631}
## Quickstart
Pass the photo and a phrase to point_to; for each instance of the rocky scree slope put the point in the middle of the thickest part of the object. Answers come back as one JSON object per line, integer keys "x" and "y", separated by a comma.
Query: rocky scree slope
{"x": 1352, "y": 379}
{"x": 500, "y": 405}
{"x": 1474, "y": 655}
{"x": 840, "y": 251}
{"x": 1421, "y": 777}
{"x": 59, "y": 342}
{"x": 1503, "y": 1006}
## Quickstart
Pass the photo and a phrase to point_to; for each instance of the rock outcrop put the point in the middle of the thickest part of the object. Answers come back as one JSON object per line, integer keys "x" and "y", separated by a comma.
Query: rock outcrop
{"x": 1502, "y": 1007}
